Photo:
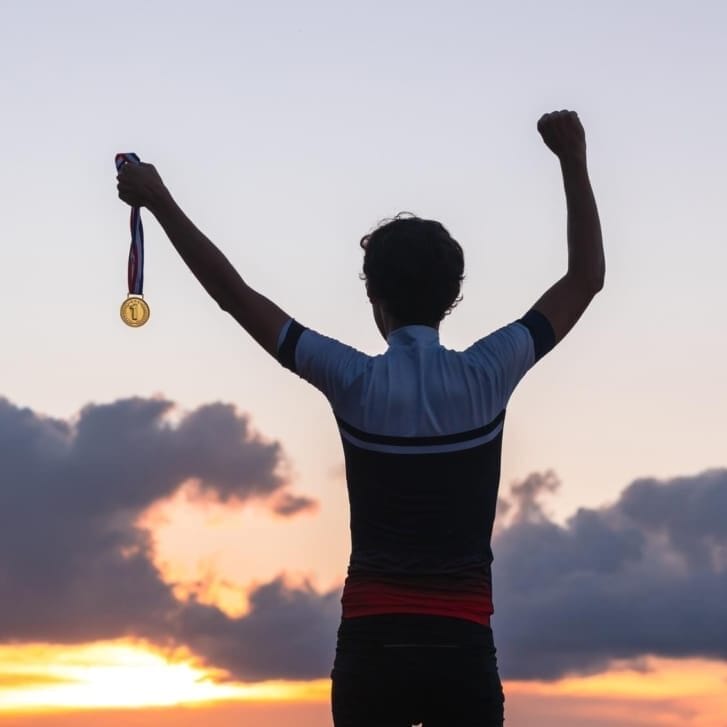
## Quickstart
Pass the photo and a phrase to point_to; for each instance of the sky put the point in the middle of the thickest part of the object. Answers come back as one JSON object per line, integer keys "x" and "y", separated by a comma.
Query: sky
{"x": 173, "y": 507}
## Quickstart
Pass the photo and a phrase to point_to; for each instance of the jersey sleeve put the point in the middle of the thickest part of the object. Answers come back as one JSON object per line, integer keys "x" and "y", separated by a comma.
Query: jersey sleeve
{"x": 506, "y": 355}
{"x": 328, "y": 364}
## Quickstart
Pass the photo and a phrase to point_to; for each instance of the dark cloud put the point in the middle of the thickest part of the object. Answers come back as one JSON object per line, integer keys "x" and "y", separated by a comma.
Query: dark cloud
{"x": 289, "y": 504}
{"x": 526, "y": 497}
{"x": 288, "y": 633}
{"x": 645, "y": 575}
{"x": 127, "y": 455}
{"x": 74, "y": 564}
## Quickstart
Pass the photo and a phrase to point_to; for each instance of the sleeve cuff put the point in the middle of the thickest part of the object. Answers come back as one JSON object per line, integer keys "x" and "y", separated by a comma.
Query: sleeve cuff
{"x": 287, "y": 343}
{"x": 541, "y": 332}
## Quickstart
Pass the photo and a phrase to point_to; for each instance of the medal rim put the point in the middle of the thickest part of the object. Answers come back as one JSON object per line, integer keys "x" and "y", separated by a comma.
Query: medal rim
{"x": 145, "y": 307}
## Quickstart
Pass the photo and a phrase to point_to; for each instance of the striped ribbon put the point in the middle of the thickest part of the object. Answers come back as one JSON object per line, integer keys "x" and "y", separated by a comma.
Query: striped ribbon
{"x": 136, "y": 251}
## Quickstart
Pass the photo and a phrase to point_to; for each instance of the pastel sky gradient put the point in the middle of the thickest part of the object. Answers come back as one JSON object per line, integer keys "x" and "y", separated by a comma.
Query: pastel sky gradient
{"x": 286, "y": 131}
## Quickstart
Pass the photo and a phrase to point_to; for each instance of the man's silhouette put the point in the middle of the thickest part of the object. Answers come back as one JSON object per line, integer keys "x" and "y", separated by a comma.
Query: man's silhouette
{"x": 421, "y": 427}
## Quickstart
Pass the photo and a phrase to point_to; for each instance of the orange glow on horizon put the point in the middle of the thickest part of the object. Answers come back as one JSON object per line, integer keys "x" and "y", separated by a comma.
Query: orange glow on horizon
{"x": 648, "y": 678}
{"x": 126, "y": 674}
{"x": 50, "y": 679}
{"x": 650, "y": 691}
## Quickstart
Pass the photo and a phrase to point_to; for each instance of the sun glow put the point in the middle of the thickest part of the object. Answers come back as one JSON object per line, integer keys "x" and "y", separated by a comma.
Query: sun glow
{"x": 648, "y": 691}
{"x": 123, "y": 674}
{"x": 647, "y": 678}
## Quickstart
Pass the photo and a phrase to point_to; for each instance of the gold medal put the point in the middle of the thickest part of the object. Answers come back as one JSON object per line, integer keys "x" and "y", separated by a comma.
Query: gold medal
{"x": 135, "y": 311}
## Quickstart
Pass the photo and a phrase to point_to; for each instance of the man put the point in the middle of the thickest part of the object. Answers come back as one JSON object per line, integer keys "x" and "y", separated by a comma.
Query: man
{"x": 421, "y": 428}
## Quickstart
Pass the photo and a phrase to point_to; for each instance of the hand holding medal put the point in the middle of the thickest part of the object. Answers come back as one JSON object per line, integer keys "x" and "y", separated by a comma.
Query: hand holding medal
{"x": 134, "y": 310}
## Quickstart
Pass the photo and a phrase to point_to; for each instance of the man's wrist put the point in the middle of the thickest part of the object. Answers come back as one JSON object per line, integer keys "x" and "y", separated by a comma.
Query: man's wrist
{"x": 574, "y": 163}
{"x": 160, "y": 202}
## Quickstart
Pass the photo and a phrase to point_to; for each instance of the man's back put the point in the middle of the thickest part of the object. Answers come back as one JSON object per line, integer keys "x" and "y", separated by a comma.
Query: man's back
{"x": 421, "y": 427}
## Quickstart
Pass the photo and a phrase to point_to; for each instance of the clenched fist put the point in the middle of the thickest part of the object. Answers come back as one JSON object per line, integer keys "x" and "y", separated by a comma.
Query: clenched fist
{"x": 563, "y": 134}
{"x": 140, "y": 185}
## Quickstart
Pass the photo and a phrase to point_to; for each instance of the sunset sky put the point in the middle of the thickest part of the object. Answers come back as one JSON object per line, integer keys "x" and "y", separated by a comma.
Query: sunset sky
{"x": 173, "y": 511}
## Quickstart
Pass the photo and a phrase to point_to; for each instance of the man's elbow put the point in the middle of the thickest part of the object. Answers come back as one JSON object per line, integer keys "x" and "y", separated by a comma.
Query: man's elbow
{"x": 221, "y": 297}
{"x": 588, "y": 282}
{"x": 598, "y": 282}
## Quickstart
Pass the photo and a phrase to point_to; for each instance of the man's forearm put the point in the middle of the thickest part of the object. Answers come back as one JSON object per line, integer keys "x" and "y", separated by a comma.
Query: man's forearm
{"x": 585, "y": 244}
{"x": 213, "y": 270}
{"x": 140, "y": 184}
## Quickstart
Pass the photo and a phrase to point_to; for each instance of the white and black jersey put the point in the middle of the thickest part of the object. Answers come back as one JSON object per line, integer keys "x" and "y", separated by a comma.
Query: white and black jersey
{"x": 421, "y": 427}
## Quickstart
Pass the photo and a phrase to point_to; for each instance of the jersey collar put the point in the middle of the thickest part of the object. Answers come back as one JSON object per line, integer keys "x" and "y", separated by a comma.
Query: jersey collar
{"x": 414, "y": 335}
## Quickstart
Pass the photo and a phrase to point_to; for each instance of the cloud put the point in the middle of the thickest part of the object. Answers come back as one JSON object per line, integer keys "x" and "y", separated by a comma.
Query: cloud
{"x": 644, "y": 575}
{"x": 288, "y": 633}
{"x": 288, "y": 504}
{"x": 74, "y": 563}
{"x": 526, "y": 496}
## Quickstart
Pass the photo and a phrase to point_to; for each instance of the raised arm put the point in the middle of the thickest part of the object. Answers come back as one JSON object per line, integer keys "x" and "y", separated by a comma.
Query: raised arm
{"x": 141, "y": 185}
{"x": 564, "y": 303}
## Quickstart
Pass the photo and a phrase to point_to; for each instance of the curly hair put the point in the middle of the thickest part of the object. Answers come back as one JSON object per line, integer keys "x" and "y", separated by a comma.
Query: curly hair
{"x": 414, "y": 267}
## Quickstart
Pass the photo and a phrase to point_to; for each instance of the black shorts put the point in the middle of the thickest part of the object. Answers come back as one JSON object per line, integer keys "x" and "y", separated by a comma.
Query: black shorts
{"x": 398, "y": 670}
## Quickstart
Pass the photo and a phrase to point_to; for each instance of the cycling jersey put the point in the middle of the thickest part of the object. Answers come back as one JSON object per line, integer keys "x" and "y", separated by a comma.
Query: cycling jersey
{"x": 421, "y": 427}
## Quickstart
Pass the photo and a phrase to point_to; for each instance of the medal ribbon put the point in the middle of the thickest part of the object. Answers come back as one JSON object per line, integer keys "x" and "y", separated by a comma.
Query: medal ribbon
{"x": 136, "y": 251}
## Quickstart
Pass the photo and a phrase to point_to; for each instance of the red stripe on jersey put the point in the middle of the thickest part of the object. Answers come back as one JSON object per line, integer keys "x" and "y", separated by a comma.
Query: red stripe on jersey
{"x": 369, "y": 597}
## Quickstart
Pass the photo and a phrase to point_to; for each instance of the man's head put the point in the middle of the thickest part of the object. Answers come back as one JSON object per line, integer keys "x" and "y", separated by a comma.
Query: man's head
{"x": 413, "y": 270}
